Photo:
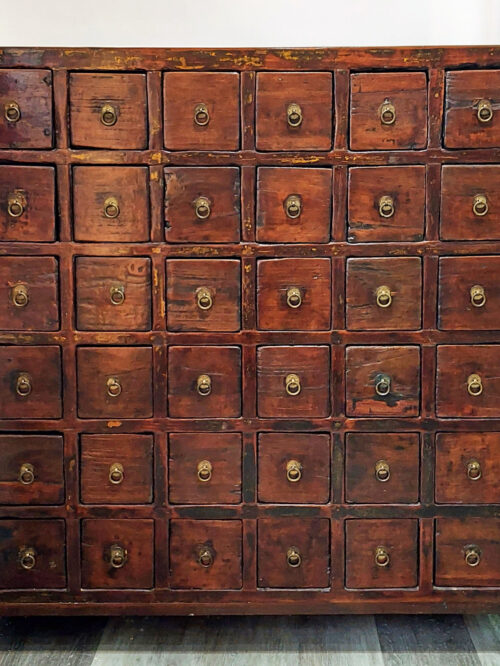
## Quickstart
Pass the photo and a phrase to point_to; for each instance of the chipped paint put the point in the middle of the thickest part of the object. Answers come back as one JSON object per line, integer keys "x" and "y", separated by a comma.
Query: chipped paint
{"x": 156, "y": 157}
{"x": 305, "y": 159}
{"x": 114, "y": 424}
{"x": 156, "y": 250}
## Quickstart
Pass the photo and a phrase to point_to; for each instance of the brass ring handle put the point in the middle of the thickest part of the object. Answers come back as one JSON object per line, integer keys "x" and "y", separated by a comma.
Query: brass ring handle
{"x": 386, "y": 207}
{"x": 484, "y": 111}
{"x": 201, "y": 115}
{"x": 19, "y": 295}
{"x": 292, "y": 384}
{"x": 26, "y": 474}
{"x": 472, "y": 556}
{"x": 116, "y": 473}
{"x": 113, "y": 386}
{"x": 202, "y": 208}
{"x": 382, "y": 558}
{"x": 293, "y": 471}
{"x": 205, "y": 557}
{"x": 111, "y": 207}
{"x": 117, "y": 556}
{"x": 23, "y": 384}
{"x": 480, "y": 205}
{"x": 477, "y": 296}
{"x": 387, "y": 113}
{"x": 474, "y": 471}
{"x": 204, "y": 385}
{"x": 293, "y": 206}
{"x": 383, "y": 385}
{"x": 294, "y": 115}
{"x": 204, "y": 470}
{"x": 293, "y": 557}
{"x": 109, "y": 115}
{"x": 15, "y": 205}
{"x": 204, "y": 298}
{"x": 382, "y": 471}
{"x": 474, "y": 385}
{"x": 117, "y": 294}
{"x": 27, "y": 558}
{"x": 12, "y": 112}
{"x": 293, "y": 297}
{"x": 383, "y": 296}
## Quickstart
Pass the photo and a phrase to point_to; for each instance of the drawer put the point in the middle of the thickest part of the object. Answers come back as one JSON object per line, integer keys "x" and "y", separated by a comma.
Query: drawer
{"x": 31, "y": 469}
{"x": 469, "y": 293}
{"x": 108, "y": 110}
{"x": 201, "y": 110}
{"x": 472, "y": 109}
{"x": 386, "y": 204}
{"x": 27, "y": 204}
{"x": 206, "y": 554}
{"x": 30, "y": 382}
{"x": 33, "y": 554}
{"x": 293, "y": 381}
{"x": 204, "y": 382}
{"x": 26, "y": 114}
{"x": 111, "y": 204}
{"x": 467, "y": 552}
{"x": 294, "y": 111}
{"x": 202, "y": 204}
{"x": 468, "y": 381}
{"x": 382, "y": 468}
{"x": 388, "y": 111}
{"x": 117, "y": 553}
{"x": 203, "y": 294}
{"x": 113, "y": 293}
{"x": 204, "y": 468}
{"x": 294, "y": 294}
{"x": 294, "y": 205}
{"x": 384, "y": 294}
{"x": 468, "y": 468}
{"x": 294, "y": 468}
{"x": 381, "y": 553}
{"x": 383, "y": 381}
{"x": 29, "y": 294}
{"x": 115, "y": 382}
{"x": 116, "y": 469}
{"x": 293, "y": 552}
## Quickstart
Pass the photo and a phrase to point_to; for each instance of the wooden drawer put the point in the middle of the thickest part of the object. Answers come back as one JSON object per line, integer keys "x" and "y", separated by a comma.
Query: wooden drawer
{"x": 108, "y": 110}
{"x": 31, "y": 469}
{"x": 111, "y": 204}
{"x": 27, "y": 203}
{"x": 293, "y": 381}
{"x": 117, "y": 553}
{"x": 203, "y": 294}
{"x": 381, "y": 553}
{"x": 294, "y": 294}
{"x": 294, "y": 468}
{"x": 33, "y": 554}
{"x": 472, "y": 109}
{"x": 382, "y": 468}
{"x": 201, "y": 110}
{"x": 467, "y": 552}
{"x": 386, "y": 203}
{"x": 26, "y": 108}
{"x": 468, "y": 468}
{"x": 383, "y": 381}
{"x": 206, "y": 554}
{"x": 388, "y": 111}
{"x": 293, "y": 552}
{"x": 294, "y": 205}
{"x": 115, "y": 382}
{"x": 116, "y": 469}
{"x": 384, "y": 293}
{"x": 294, "y": 111}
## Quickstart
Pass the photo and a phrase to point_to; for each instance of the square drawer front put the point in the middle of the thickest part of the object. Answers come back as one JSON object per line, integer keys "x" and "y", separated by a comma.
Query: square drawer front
{"x": 203, "y": 294}
{"x": 388, "y": 111}
{"x": 113, "y": 293}
{"x": 201, "y": 110}
{"x": 294, "y": 205}
{"x": 115, "y": 382}
{"x": 30, "y": 382}
{"x": 468, "y": 467}
{"x": 204, "y": 468}
{"x": 381, "y": 553}
{"x": 294, "y": 294}
{"x": 29, "y": 294}
{"x": 202, "y": 204}
{"x": 206, "y": 554}
{"x": 116, "y": 469}
{"x": 33, "y": 554}
{"x": 472, "y": 110}
{"x": 31, "y": 469}
{"x": 111, "y": 204}
{"x": 26, "y": 113}
{"x": 382, "y": 468}
{"x": 294, "y": 468}
{"x": 386, "y": 203}
{"x": 384, "y": 294}
{"x": 293, "y": 381}
{"x": 27, "y": 204}
{"x": 469, "y": 293}
{"x": 383, "y": 381}
{"x": 467, "y": 552}
{"x": 294, "y": 111}
{"x": 108, "y": 110}
{"x": 468, "y": 381}
{"x": 117, "y": 553}
{"x": 204, "y": 382}
{"x": 470, "y": 202}
{"x": 293, "y": 552}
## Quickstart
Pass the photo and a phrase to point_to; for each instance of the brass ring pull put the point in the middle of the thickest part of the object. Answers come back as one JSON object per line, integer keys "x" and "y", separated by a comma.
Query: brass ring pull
{"x": 15, "y": 205}
{"x": 294, "y": 115}
{"x": 27, "y": 558}
{"x": 111, "y": 207}
{"x": 382, "y": 558}
{"x": 12, "y": 112}
{"x": 292, "y": 384}
{"x": 19, "y": 295}
{"x": 383, "y": 385}
{"x": 382, "y": 471}
{"x": 293, "y": 471}
{"x": 116, "y": 474}
{"x": 477, "y": 296}
{"x": 117, "y": 294}
{"x": 204, "y": 298}
{"x": 474, "y": 471}
{"x": 204, "y": 385}
{"x": 383, "y": 296}
{"x": 117, "y": 556}
{"x": 26, "y": 474}
{"x": 113, "y": 386}
{"x": 293, "y": 297}
{"x": 23, "y": 385}
{"x": 204, "y": 470}
{"x": 387, "y": 113}
{"x": 202, "y": 208}
{"x": 480, "y": 205}
{"x": 293, "y": 557}
{"x": 293, "y": 206}
{"x": 484, "y": 111}
{"x": 386, "y": 207}
{"x": 472, "y": 556}
{"x": 201, "y": 115}
{"x": 108, "y": 115}
{"x": 205, "y": 557}
{"x": 474, "y": 385}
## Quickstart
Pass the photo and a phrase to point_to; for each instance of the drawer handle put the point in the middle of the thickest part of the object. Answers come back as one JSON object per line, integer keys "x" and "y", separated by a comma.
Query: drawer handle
{"x": 12, "y": 112}
{"x": 117, "y": 294}
{"x": 293, "y": 471}
{"x": 383, "y": 296}
{"x": 474, "y": 471}
{"x": 19, "y": 295}
{"x": 204, "y": 470}
{"x": 27, "y": 558}
{"x": 202, "y": 208}
{"x": 292, "y": 384}
{"x": 23, "y": 384}
{"x": 201, "y": 115}
{"x": 294, "y": 115}
{"x": 205, "y": 557}
{"x": 26, "y": 474}
{"x": 108, "y": 115}
{"x": 382, "y": 471}
{"x": 387, "y": 113}
{"x": 113, "y": 386}
{"x": 382, "y": 558}
{"x": 472, "y": 555}
{"x": 293, "y": 557}
{"x": 383, "y": 385}
{"x": 16, "y": 205}
{"x": 386, "y": 207}
{"x": 479, "y": 205}
{"x": 116, "y": 473}
{"x": 474, "y": 385}
{"x": 484, "y": 111}
{"x": 204, "y": 385}
{"x": 293, "y": 206}
{"x": 204, "y": 298}
{"x": 477, "y": 296}
{"x": 111, "y": 207}
{"x": 293, "y": 297}
{"x": 117, "y": 556}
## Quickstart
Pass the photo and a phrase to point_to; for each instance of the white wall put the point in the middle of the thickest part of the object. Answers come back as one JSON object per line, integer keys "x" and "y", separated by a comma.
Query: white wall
{"x": 213, "y": 23}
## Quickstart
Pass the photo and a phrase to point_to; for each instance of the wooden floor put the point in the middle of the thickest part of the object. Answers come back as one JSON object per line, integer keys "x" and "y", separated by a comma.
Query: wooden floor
{"x": 250, "y": 641}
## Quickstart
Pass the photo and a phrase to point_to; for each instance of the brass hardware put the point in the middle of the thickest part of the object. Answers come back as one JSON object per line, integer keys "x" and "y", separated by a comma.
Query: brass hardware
{"x": 117, "y": 294}
{"x": 19, "y": 295}
{"x": 484, "y": 111}
{"x": 205, "y": 557}
{"x": 26, "y": 474}
{"x": 477, "y": 296}
{"x": 204, "y": 385}
{"x": 387, "y": 113}
{"x": 293, "y": 206}
{"x": 12, "y": 111}
{"x": 23, "y": 384}
{"x": 480, "y": 205}
{"x": 114, "y": 387}
{"x": 293, "y": 297}
{"x": 386, "y": 206}
{"x": 382, "y": 558}
{"x": 16, "y": 205}
{"x": 382, "y": 471}
{"x": 27, "y": 558}
{"x": 383, "y": 385}
{"x": 384, "y": 296}
{"x": 117, "y": 556}
{"x": 111, "y": 207}
{"x": 116, "y": 473}
{"x": 472, "y": 555}
{"x": 293, "y": 471}
{"x": 293, "y": 557}
{"x": 474, "y": 385}
{"x": 202, "y": 208}
{"x": 292, "y": 384}
{"x": 108, "y": 115}
{"x": 201, "y": 115}
{"x": 204, "y": 298}
{"x": 474, "y": 471}
{"x": 204, "y": 470}
{"x": 294, "y": 115}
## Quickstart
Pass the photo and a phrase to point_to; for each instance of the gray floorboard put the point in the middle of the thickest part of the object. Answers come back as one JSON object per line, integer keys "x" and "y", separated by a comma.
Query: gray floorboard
{"x": 484, "y": 631}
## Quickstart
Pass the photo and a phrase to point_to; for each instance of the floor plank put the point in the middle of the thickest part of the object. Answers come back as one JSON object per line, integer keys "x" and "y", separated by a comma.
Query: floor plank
{"x": 484, "y": 631}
